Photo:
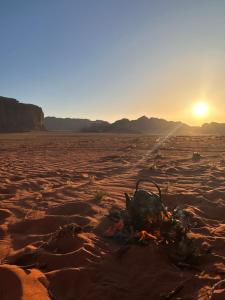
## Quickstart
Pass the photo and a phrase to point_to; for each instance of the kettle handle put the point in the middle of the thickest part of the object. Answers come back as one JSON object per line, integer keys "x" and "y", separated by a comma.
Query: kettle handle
{"x": 151, "y": 181}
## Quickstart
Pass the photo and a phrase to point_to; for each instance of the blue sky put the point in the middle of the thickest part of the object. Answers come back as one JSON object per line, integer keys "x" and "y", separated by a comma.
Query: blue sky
{"x": 108, "y": 59}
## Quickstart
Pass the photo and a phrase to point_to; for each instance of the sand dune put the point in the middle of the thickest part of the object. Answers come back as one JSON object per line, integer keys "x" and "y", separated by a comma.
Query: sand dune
{"x": 50, "y": 184}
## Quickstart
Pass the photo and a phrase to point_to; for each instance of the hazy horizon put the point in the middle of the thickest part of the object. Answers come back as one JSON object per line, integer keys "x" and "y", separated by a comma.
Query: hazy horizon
{"x": 109, "y": 60}
{"x": 130, "y": 119}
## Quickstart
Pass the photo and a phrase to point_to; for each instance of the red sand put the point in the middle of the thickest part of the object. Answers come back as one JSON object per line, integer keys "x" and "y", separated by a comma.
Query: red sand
{"x": 48, "y": 180}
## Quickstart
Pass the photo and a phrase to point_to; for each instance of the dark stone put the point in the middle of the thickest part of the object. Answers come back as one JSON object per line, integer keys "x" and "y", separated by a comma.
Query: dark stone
{"x": 19, "y": 117}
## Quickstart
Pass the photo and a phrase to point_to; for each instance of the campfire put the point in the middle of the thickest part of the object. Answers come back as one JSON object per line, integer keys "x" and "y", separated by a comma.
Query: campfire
{"x": 145, "y": 219}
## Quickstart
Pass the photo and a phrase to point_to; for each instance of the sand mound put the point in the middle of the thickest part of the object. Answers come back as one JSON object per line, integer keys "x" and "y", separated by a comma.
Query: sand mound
{"x": 70, "y": 283}
{"x": 73, "y": 208}
{"x": 4, "y": 213}
{"x": 45, "y": 225}
{"x": 16, "y": 284}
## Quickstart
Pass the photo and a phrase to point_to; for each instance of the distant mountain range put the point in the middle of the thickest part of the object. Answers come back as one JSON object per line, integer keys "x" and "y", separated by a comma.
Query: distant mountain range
{"x": 77, "y": 125}
{"x": 141, "y": 125}
{"x": 19, "y": 117}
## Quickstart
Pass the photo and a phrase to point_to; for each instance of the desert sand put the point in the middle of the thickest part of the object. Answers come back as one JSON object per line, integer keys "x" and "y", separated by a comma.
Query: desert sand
{"x": 48, "y": 180}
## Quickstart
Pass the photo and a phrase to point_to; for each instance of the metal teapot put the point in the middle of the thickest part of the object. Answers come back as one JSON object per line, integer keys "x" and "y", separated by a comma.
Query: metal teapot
{"x": 145, "y": 208}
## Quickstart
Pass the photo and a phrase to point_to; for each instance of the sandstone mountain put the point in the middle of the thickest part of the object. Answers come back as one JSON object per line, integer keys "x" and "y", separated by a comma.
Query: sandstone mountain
{"x": 76, "y": 125}
{"x": 140, "y": 125}
{"x": 19, "y": 117}
{"x": 213, "y": 128}
{"x": 149, "y": 126}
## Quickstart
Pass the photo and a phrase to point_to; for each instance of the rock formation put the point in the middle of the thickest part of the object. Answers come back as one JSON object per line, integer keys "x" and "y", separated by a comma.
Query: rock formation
{"x": 76, "y": 125}
{"x": 19, "y": 117}
{"x": 141, "y": 125}
{"x": 213, "y": 128}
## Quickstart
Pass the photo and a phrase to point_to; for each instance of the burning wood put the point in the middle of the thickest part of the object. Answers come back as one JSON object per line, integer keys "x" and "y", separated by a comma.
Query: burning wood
{"x": 146, "y": 219}
{"x": 116, "y": 227}
{"x": 144, "y": 235}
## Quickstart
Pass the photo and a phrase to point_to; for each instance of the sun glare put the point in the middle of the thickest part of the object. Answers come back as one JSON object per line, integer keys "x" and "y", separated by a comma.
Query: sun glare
{"x": 200, "y": 109}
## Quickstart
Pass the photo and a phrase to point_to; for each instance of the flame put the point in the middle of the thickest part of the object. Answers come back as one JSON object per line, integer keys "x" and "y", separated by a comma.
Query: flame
{"x": 118, "y": 226}
{"x": 144, "y": 235}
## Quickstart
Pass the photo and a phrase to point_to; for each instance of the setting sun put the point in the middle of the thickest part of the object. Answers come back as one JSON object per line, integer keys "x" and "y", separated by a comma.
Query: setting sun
{"x": 200, "y": 109}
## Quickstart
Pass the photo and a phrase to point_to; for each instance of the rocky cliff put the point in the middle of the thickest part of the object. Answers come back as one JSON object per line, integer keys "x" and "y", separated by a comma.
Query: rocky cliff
{"x": 19, "y": 117}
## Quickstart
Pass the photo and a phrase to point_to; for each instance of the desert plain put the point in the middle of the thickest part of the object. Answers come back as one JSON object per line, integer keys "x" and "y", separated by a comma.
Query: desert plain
{"x": 49, "y": 180}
